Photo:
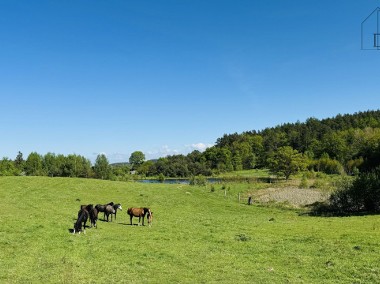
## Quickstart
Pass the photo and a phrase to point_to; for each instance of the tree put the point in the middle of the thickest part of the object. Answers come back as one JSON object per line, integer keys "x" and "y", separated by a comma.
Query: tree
{"x": 136, "y": 159}
{"x": 7, "y": 167}
{"x": 334, "y": 144}
{"x": 50, "y": 164}
{"x": 102, "y": 167}
{"x": 286, "y": 161}
{"x": 33, "y": 165}
{"x": 19, "y": 162}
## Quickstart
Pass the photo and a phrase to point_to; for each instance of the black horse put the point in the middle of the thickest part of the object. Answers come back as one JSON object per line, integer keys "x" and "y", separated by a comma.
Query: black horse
{"x": 102, "y": 208}
{"x": 115, "y": 207}
{"x": 108, "y": 209}
{"x": 82, "y": 219}
{"x": 93, "y": 213}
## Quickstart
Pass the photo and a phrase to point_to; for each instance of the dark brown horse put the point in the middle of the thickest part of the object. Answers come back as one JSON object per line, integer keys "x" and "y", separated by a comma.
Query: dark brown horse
{"x": 82, "y": 219}
{"x": 141, "y": 213}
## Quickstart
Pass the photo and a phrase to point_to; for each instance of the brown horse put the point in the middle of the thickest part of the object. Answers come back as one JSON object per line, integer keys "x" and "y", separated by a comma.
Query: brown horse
{"x": 141, "y": 212}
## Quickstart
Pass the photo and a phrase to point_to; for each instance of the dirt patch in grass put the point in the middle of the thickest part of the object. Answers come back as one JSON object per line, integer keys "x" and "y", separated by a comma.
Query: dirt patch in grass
{"x": 297, "y": 197}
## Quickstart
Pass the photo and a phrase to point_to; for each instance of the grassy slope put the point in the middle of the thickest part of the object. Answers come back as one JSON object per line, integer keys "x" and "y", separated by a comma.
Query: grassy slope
{"x": 197, "y": 236}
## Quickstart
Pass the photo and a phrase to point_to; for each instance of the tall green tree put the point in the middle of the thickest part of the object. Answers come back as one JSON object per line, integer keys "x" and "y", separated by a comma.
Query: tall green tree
{"x": 102, "y": 167}
{"x": 19, "y": 162}
{"x": 286, "y": 161}
{"x": 7, "y": 167}
{"x": 136, "y": 159}
{"x": 34, "y": 165}
{"x": 50, "y": 164}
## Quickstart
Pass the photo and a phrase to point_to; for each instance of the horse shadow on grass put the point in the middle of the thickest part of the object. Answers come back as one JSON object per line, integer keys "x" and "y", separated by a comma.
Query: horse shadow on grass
{"x": 128, "y": 224}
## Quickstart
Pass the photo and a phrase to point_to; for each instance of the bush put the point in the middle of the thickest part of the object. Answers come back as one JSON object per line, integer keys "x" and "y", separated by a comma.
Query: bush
{"x": 360, "y": 196}
{"x": 161, "y": 177}
{"x": 198, "y": 180}
{"x": 303, "y": 183}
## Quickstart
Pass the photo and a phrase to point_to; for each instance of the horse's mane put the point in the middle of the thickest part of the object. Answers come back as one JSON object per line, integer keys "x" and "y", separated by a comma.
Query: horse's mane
{"x": 147, "y": 211}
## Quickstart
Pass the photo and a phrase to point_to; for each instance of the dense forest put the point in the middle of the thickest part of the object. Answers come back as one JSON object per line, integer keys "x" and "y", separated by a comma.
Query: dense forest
{"x": 344, "y": 144}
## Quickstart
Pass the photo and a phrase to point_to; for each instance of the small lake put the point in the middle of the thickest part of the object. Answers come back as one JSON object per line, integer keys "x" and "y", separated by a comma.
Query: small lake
{"x": 177, "y": 181}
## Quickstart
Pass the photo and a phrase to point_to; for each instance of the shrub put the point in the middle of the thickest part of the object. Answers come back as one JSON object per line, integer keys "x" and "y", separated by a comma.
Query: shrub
{"x": 198, "y": 180}
{"x": 161, "y": 177}
{"x": 360, "y": 196}
{"x": 303, "y": 183}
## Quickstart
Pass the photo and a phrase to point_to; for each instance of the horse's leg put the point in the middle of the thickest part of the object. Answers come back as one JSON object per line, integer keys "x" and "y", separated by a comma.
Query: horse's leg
{"x": 131, "y": 219}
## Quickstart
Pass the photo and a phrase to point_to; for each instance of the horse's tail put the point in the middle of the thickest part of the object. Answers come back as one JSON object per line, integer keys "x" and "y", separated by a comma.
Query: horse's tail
{"x": 150, "y": 217}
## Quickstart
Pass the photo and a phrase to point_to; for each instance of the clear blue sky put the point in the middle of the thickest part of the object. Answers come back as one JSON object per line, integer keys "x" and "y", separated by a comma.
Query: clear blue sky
{"x": 171, "y": 76}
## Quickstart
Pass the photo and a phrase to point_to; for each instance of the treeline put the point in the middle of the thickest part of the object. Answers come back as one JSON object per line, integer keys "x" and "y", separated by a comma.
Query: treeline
{"x": 62, "y": 166}
{"x": 343, "y": 144}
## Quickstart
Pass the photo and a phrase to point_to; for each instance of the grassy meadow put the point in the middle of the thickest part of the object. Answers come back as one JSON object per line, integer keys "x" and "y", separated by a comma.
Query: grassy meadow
{"x": 198, "y": 236}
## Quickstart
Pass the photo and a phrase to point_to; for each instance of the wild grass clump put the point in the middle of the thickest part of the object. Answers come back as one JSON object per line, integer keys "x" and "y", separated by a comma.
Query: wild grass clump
{"x": 242, "y": 238}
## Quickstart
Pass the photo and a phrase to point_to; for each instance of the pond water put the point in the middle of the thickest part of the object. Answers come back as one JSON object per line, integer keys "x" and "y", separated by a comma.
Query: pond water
{"x": 177, "y": 181}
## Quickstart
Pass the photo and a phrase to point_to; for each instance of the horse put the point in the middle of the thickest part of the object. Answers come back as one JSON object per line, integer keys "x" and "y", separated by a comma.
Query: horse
{"x": 102, "y": 208}
{"x": 141, "y": 212}
{"x": 82, "y": 218}
{"x": 109, "y": 210}
{"x": 115, "y": 207}
{"x": 93, "y": 213}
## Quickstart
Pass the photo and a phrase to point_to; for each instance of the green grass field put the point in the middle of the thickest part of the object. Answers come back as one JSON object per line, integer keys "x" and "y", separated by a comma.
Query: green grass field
{"x": 197, "y": 236}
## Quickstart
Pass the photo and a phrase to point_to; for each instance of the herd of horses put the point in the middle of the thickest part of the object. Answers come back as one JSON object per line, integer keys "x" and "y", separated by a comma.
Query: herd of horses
{"x": 90, "y": 212}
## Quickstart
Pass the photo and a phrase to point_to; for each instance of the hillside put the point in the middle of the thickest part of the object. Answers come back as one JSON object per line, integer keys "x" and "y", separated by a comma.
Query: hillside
{"x": 197, "y": 236}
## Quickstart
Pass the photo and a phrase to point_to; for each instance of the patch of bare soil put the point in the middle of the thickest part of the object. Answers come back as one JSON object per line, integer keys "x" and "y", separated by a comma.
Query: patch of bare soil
{"x": 297, "y": 197}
